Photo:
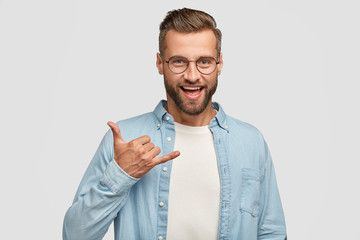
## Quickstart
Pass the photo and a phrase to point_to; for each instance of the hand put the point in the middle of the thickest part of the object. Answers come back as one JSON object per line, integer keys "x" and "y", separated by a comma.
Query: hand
{"x": 138, "y": 156}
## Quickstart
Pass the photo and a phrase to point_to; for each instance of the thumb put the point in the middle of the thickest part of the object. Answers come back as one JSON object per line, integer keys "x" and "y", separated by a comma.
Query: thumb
{"x": 116, "y": 132}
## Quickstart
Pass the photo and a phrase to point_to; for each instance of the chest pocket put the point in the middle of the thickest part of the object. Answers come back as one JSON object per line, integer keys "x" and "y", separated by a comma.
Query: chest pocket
{"x": 250, "y": 191}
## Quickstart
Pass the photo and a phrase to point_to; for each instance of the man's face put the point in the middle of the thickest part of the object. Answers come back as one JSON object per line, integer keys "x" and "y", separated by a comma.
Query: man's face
{"x": 190, "y": 91}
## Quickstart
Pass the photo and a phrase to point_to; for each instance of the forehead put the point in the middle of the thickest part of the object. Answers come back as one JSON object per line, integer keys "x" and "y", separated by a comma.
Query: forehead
{"x": 190, "y": 45}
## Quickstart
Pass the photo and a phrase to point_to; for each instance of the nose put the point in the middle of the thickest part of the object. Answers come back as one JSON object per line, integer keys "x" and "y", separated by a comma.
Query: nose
{"x": 191, "y": 73}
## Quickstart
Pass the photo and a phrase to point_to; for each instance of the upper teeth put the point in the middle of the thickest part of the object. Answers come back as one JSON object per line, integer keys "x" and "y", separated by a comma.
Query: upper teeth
{"x": 192, "y": 88}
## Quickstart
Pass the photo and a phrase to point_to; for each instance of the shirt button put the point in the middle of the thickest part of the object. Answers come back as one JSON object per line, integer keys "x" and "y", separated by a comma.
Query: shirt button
{"x": 168, "y": 139}
{"x": 161, "y": 204}
{"x": 167, "y": 118}
{"x": 164, "y": 169}
{"x": 158, "y": 124}
{"x": 160, "y": 238}
{"x": 226, "y": 126}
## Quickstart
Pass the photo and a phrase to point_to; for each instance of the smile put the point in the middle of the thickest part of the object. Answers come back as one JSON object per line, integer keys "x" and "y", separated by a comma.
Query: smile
{"x": 192, "y": 93}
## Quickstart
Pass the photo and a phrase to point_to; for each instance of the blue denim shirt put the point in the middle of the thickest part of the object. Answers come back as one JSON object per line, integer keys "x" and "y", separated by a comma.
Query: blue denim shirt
{"x": 250, "y": 206}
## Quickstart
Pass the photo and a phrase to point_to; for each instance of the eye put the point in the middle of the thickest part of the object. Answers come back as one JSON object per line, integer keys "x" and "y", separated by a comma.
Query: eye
{"x": 205, "y": 62}
{"x": 178, "y": 61}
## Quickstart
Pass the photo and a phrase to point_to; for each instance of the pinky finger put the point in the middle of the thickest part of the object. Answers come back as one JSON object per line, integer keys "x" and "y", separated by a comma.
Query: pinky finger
{"x": 166, "y": 158}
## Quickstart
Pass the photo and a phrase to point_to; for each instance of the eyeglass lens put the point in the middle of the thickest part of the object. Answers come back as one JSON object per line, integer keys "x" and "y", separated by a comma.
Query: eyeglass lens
{"x": 205, "y": 65}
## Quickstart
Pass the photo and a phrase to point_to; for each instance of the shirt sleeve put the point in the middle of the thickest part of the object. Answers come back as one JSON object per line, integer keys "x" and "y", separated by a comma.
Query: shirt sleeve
{"x": 102, "y": 192}
{"x": 271, "y": 219}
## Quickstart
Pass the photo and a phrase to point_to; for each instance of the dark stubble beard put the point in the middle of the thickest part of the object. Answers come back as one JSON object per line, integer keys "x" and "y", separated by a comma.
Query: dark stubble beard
{"x": 192, "y": 108}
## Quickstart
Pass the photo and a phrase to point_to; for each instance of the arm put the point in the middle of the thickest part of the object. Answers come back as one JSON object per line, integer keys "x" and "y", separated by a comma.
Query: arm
{"x": 115, "y": 168}
{"x": 101, "y": 194}
{"x": 271, "y": 219}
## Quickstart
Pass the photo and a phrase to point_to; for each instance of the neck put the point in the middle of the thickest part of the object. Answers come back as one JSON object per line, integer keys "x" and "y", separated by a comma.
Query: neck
{"x": 201, "y": 119}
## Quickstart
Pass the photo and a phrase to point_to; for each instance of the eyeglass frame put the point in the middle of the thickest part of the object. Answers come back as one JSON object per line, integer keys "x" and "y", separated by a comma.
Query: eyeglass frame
{"x": 187, "y": 66}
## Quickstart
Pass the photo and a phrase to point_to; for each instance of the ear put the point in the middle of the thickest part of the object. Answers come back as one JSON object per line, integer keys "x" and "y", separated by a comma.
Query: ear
{"x": 159, "y": 64}
{"x": 220, "y": 65}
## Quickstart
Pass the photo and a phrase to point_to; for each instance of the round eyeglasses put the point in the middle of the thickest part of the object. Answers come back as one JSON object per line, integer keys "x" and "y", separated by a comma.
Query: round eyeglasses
{"x": 205, "y": 65}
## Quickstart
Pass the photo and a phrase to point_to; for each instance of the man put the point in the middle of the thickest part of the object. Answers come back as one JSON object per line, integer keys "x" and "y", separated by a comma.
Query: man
{"x": 223, "y": 184}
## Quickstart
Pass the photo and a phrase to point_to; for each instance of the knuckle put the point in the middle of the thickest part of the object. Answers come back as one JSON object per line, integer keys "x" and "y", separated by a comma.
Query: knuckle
{"x": 161, "y": 160}
{"x": 166, "y": 158}
{"x": 147, "y": 161}
{"x": 157, "y": 150}
{"x": 132, "y": 144}
{"x": 141, "y": 150}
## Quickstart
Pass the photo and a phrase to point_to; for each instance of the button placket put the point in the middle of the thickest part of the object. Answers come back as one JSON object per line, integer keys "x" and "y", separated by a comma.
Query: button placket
{"x": 167, "y": 132}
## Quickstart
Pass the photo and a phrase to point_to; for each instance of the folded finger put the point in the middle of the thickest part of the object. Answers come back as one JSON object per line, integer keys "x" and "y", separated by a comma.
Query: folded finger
{"x": 148, "y": 146}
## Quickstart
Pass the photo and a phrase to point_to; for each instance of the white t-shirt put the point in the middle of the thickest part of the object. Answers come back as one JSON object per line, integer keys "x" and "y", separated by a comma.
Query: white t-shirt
{"x": 194, "y": 195}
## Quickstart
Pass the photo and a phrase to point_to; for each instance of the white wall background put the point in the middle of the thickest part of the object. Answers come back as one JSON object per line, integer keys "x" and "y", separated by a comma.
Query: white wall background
{"x": 291, "y": 68}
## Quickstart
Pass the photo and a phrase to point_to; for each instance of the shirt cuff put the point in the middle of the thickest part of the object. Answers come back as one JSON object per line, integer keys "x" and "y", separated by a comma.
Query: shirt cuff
{"x": 116, "y": 179}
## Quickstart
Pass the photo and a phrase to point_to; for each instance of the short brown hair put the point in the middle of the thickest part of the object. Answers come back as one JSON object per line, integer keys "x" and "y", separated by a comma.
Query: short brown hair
{"x": 188, "y": 20}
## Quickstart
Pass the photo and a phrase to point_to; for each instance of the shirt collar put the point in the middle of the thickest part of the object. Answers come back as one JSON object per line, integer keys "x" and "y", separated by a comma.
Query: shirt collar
{"x": 219, "y": 120}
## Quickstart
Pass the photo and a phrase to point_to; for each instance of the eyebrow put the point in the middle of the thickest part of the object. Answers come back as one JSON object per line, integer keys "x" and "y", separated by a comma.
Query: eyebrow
{"x": 193, "y": 60}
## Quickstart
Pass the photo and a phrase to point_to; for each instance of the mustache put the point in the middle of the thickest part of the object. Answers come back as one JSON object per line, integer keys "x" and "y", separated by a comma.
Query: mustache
{"x": 189, "y": 83}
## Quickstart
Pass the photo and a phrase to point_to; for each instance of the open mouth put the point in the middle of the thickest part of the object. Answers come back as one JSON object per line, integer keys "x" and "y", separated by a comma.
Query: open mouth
{"x": 192, "y": 93}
